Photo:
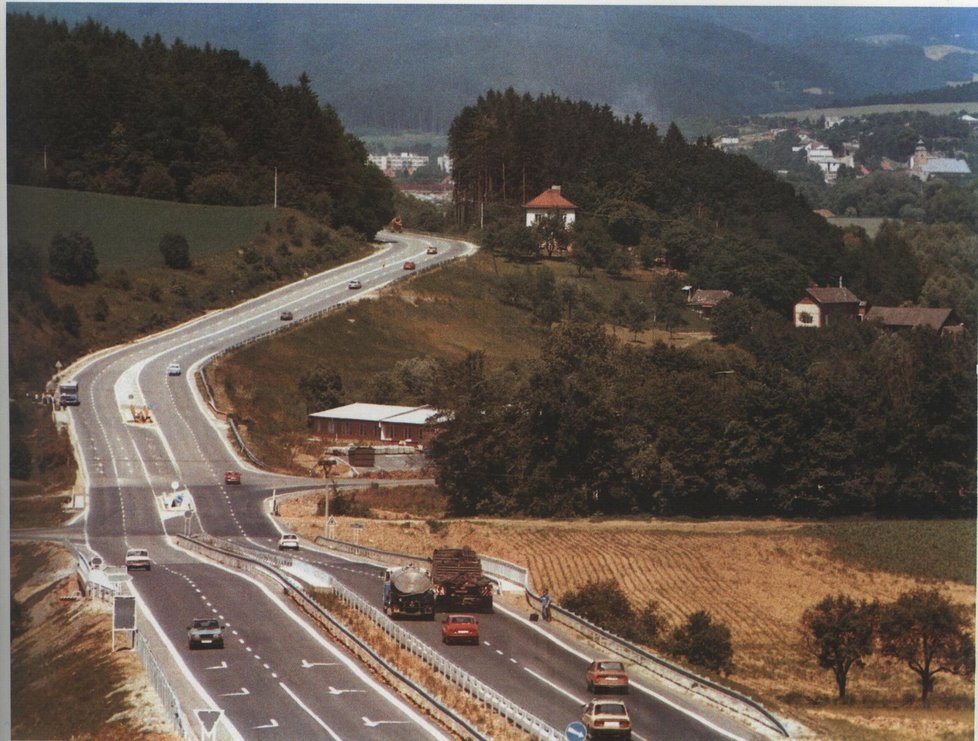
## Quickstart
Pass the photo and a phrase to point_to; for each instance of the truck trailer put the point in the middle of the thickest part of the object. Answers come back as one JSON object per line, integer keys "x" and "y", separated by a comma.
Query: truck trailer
{"x": 459, "y": 581}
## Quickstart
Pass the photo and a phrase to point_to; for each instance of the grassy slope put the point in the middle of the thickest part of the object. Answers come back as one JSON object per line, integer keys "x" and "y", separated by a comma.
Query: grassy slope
{"x": 126, "y": 231}
{"x": 443, "y": 313}
{"x": 56, "y": 642}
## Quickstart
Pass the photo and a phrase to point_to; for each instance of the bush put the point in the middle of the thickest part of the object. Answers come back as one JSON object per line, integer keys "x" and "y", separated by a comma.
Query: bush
{"x": 72, "y": 260}
{"x": 702, "y": 642}
{"x": 603, "y": 603}
{"x": 175, "y": 251}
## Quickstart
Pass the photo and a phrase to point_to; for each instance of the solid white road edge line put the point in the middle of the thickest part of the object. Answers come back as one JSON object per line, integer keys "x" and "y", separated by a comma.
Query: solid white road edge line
{"x": 352, "y": 665}
{"x": 646, "y": 690}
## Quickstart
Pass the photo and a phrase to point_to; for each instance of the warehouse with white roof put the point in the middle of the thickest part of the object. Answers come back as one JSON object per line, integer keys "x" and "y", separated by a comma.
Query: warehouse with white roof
{"x": 376, "y": 423}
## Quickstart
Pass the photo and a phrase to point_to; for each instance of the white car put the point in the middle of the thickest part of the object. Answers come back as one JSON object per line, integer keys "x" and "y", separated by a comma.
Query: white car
{"x": 353, "y": 285}
{"x": 137, "y": 558}
{"x": 288, "y": 541}
{"x": 173, "y": 369}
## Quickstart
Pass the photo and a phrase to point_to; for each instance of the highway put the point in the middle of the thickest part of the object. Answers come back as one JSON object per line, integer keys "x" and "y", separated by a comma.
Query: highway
{"x": 276, "y": 677}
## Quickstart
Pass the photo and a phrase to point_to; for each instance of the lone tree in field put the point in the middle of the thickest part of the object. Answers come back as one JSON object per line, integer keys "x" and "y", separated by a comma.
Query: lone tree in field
{"x": 840, "y": 633}
{"x": 175, "y": 251}
{"x": 929, "y": 634}
{"x": 72, "y": 260}
{"x": 703, "y": 642}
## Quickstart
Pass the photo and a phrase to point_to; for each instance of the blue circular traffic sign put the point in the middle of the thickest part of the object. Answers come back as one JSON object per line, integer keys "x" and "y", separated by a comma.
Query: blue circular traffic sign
{"x": 575, "y": 731}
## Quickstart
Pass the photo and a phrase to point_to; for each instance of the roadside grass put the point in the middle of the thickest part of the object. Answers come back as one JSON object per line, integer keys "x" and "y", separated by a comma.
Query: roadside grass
{"x": 923, "y": 549}
{"x": 65, "y": 680}
{"x": 126, "y": 231}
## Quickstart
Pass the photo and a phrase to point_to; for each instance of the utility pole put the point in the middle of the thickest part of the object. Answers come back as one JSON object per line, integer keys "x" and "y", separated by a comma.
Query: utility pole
{"x": 275, "y": 203}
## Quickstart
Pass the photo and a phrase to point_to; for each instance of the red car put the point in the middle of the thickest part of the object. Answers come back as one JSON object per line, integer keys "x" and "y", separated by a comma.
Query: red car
{"x": 409, "y": 265}
{"x": 232, "y": 477}
{"x": 608, "y": 675}
{"x": 460, "y": 629}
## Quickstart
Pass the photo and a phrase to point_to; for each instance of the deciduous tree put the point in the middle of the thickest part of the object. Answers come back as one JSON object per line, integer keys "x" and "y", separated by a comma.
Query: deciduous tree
{"x": 928, "y": 633}
{"x": 840, "y": 633}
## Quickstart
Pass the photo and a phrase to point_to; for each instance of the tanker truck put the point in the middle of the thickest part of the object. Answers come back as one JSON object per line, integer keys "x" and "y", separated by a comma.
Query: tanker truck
{"x": 459, "y": 581}
{"x": 408, "y": 592}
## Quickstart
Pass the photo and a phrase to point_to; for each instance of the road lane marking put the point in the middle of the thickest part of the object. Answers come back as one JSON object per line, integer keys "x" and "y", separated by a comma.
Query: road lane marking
{"x": 309, "y": 712}
{"x": 557, "y": 687}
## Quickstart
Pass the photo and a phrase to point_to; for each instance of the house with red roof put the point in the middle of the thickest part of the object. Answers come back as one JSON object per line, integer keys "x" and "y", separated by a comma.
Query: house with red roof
{"x": 549, "y": 202}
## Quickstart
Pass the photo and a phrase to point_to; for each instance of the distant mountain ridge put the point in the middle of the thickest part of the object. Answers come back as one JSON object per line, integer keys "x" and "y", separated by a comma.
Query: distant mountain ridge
{"x": 416, "y": 67}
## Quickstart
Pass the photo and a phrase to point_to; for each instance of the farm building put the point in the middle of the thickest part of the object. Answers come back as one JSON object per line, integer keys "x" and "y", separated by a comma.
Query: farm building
{"x": 821, "y": 306}
{"x": 902, "y": 317}
{"x": 376, "y": 423}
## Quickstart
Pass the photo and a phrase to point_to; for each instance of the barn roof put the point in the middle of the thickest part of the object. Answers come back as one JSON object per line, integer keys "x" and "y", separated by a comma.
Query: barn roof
{"x": 910, "y": 316}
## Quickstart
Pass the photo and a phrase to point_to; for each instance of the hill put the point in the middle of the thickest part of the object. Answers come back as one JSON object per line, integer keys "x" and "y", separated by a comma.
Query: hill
{"x": 235, "y": 252}
{"x": 413, "y": 67}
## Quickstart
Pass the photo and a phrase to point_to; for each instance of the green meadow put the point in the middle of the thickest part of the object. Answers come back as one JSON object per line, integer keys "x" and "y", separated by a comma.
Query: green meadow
{"x": 126, "y": 231}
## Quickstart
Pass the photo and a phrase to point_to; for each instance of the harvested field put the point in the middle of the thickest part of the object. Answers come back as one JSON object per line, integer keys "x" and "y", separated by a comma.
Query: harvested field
{"x": 757, "y": 577}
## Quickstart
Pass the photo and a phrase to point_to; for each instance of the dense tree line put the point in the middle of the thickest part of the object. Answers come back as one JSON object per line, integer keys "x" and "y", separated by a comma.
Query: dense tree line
{"x": 770, "y": 420}
{"x": 91, "y": 109}
{"x": 705, "y": 211}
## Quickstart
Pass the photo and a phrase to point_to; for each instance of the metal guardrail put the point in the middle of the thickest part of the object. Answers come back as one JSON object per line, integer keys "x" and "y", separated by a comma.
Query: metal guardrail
{"x": 98, "y": 584}
{"x": 476, "y": 688}
{"x": 658, "y": 665}
{"x": 164, "y": 689}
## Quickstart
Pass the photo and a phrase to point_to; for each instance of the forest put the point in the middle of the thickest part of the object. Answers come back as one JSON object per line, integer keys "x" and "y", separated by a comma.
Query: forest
{"x": 91, "y": 109}
{"x": 771, "y": 420}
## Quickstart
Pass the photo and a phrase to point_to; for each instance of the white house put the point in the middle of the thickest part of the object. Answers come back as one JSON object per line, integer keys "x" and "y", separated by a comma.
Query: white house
{"x": 822, "y": 156}
{"x": 548, "y": 202}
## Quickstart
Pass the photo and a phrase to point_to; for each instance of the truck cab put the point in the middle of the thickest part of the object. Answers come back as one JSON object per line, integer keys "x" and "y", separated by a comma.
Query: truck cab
{"x": 68, "y": 393}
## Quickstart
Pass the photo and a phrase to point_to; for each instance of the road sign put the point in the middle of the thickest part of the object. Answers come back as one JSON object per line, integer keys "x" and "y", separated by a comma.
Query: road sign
{"x": 208, "y": 721}
{"x": 123, "y": 612}
{"x": 575, "y": 731}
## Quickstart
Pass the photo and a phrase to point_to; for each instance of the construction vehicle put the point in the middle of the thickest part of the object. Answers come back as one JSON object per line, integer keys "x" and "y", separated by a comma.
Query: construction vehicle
{"x": 459, "y": 581}
{"x": 408, "y": 592}
{"x": 396, "y": 225}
